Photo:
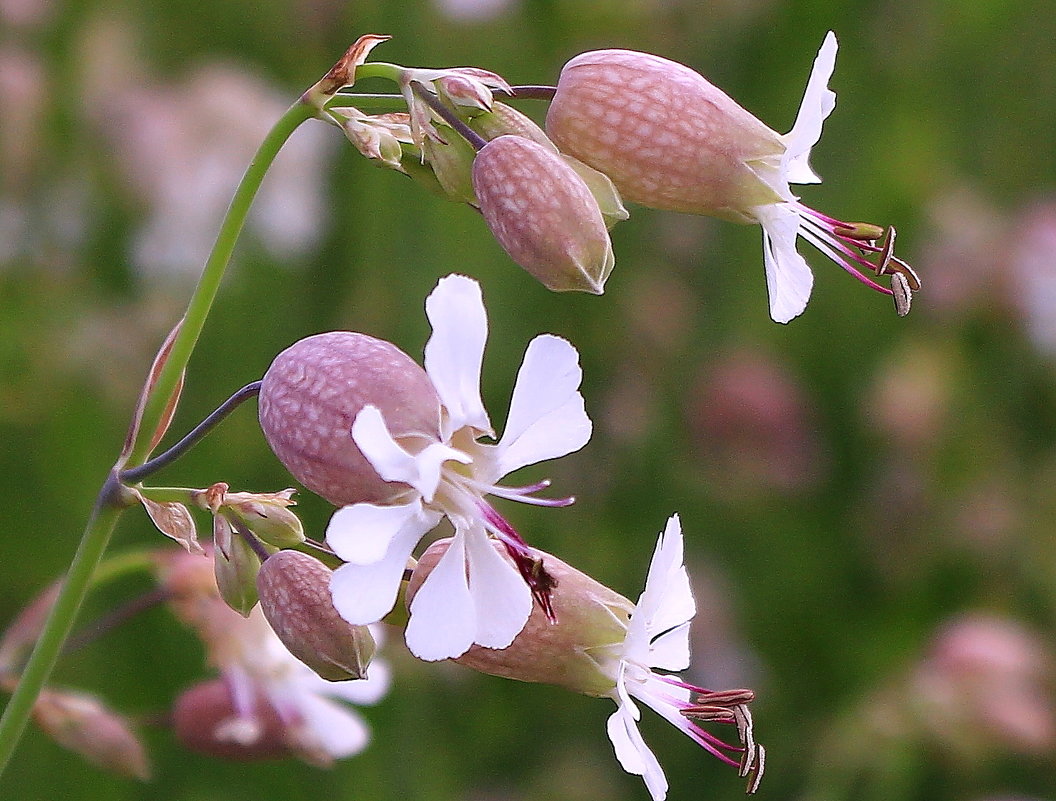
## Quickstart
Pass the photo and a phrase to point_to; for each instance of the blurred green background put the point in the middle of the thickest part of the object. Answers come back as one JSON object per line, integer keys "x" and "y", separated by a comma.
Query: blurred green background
{"x": 868, "y": 501}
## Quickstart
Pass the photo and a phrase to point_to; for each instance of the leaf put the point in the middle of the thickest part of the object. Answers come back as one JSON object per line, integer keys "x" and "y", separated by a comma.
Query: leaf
{"x": 144, "y": 396}
{"x": 343, "y": 73}
{"x": 173, "y": 520}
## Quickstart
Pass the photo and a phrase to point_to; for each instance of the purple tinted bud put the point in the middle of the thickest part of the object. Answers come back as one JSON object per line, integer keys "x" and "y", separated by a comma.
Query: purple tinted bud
{"x": 295, "y": 598}
{"x": 543, "y": 214}
{"x": 311, "y": 395}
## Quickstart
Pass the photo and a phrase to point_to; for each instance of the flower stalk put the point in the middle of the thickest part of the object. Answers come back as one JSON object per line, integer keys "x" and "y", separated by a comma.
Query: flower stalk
{"x": 114, "y": 497}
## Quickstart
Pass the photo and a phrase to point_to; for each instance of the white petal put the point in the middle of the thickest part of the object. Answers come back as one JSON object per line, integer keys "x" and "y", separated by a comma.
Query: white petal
{"x": 362, "y": 533}
{"x": 502, "y": 600}
{"x": 242, "y": 688}
{"x": 364, "y": 594}
{"x": 443, "y": 618}
{"x": 392, "y": 462}
{"x": 336, "y": 728}
{"x": 547, "y": 418}
{"x": 455, "y": 351}
{"x": 670, "y": 651}
{"x": 788, "y": 278}
{"x": 668, "y": 583}
{"x": 818, "y": 103}
{"x": 632, "y": 752}
{"x": 658, "y": 634}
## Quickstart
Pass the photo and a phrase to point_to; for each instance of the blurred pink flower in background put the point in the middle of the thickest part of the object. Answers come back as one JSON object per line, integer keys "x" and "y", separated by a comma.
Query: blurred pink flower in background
{"x": 987, "y": 683}
{"x": 183, "y": 146}
{"x": 753, "y": 426}
{"x": 1033, "y": 272}
{"x": 474, "y": 10}
{"x": 25, "y": 13}
{"x": 23, "y": 98}
{"x": 961, "y": 253}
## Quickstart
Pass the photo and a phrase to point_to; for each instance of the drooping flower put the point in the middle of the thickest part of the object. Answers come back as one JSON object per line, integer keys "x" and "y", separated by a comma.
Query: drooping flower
{"x": 670, "y": 139}
{"x": 272, "y": 703}
{"x": 318, "y": 724}
{"x": 658, "y": 637}
{"x": 605, "y": 646}
{"x": 398, "y": 448}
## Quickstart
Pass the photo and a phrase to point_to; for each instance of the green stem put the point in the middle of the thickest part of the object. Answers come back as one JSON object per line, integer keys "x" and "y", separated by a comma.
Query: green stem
{"x": 113, "y": 497}
{"x": 108, "y": 508}
{"x": 368, "y": 102}
{"x": 208, "y": 285}
{"x": 184, "y": 495}
{"x": 380, "y": 69}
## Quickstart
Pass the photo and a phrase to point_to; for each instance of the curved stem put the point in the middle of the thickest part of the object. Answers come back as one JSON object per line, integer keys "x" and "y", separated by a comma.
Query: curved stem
{"x": 114, "y": 497}
{"x": 115, "y": 618}
{"x": 534, "y": 92}
{"x": 448, "y": 116}
{"x": 380, "y": 69}
{"x": 371, "y": 101}
{"x": 205, "y": 292}
{"x": 136, "y": 474}
{"x": 111, "y": 502}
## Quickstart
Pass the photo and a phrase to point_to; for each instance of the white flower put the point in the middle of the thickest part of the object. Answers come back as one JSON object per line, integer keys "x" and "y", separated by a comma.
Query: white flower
{"x": 788, "y": 278}
{"x": 318, "y": 723}
{"x": 473, "y": 595}
{"x": 658, "y": 637}
{"x": 669, "y": 139}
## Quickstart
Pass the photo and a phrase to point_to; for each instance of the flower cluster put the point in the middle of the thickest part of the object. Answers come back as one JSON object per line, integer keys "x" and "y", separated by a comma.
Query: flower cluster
{"x": 621, "y": 124}
{"x": 399, "y": 447}
{"x": 402, "y": 448}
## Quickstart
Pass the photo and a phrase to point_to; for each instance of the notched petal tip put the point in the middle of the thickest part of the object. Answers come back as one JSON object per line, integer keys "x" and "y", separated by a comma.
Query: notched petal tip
{"x": 818, "y": 103}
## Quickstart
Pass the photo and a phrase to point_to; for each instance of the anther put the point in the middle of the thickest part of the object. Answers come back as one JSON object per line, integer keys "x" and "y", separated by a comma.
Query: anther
{"x": 866, "y": 232}
{"x": 901, "y": 293}
{"x": 756, "y": 771}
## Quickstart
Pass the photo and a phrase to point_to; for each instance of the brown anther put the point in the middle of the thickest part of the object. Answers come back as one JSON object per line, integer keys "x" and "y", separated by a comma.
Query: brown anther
{"x": 720, "y": 705}
{"x": 887, "y": 250}
{"x": 727, "y": 697}
{"x": 899, "y": 266}
{"x": 704, "y": 712}
{"x": 745, "y": 733}
{"x": 901, "y": 293}
{"x": 754, "y": 773}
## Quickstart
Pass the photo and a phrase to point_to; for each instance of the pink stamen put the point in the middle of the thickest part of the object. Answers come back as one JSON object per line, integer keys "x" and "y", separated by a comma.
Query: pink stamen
{"x": 827, "y": 242}
{"x": 830, "y": 236}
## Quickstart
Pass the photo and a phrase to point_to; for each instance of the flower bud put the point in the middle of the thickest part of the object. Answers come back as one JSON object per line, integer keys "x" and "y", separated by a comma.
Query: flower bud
{"x": 504, "y": 119}
{"x": 268, "y": 516}
{"x": 590, "y": 617}
{"x": 452, "y": 164}
{"x": 378, "y": 137}
{"x": 310, "y": 397}
{"x": 295, "y": 598}
{"x": 82, "y": 723}
{"x": 205, "y": 721}
{"x": 665, "y": 136}
{"x": 543, "y": 214}
{"x": 235, "y": 566}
